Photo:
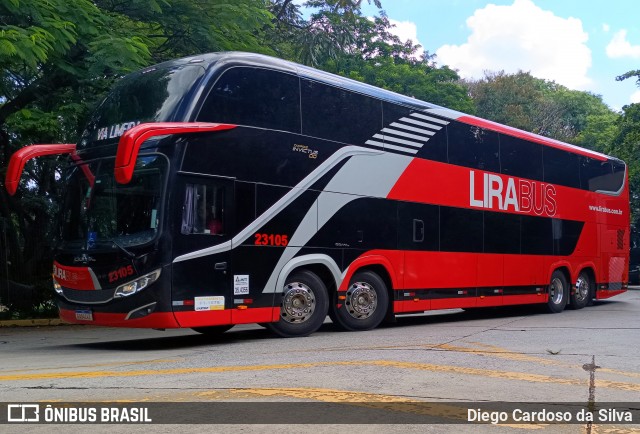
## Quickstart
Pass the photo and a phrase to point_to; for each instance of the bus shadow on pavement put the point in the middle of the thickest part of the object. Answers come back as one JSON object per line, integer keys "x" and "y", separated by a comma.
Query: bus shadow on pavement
{"x": 244, "y": 335}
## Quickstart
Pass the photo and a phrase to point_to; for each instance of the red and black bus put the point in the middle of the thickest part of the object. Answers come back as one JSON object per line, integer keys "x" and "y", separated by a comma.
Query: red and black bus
{"x": 235, "y": 188}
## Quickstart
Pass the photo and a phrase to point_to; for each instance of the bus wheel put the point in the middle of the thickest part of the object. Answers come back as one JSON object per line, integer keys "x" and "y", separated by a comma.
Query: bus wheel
{"x": 212, "y": 330}
{"x": 582, "y": 294}
{"x": 304, "y": 307}
{"x": 558, "y": 291}
{"x": 365, "y": 305}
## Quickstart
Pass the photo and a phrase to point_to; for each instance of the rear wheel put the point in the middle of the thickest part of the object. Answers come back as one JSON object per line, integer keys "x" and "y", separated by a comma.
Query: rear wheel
{"x": 212, "y": 330}
{"x": 558, "y": 292}
{"x": 581, "y": 296}
{"x": 304, "y": 306}
{"x": 365, "y": 304}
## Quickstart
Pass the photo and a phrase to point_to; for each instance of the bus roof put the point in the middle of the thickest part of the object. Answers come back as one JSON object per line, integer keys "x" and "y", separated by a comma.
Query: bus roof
{"x": 236, "y": 58}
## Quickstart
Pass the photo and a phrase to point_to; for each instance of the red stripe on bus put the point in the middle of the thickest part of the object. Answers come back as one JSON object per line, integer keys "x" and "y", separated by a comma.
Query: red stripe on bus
{"x": 158, "y": 320}
{"x": 227, "y": 316}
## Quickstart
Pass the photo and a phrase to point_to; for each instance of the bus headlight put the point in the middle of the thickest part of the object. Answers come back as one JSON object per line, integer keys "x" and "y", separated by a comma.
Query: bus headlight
{"x": 56, "y": 287}
{"x": 139, "y": 284}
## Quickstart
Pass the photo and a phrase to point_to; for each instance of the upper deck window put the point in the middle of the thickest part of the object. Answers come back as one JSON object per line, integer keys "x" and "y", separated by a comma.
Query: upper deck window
{"x": 254, "y": 97}
{"x": 335, "y": 114}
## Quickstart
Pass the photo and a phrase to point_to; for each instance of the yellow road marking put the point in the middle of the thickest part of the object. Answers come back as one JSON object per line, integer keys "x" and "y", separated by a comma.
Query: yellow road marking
{"x": 491, "y": 350}
{"x": 360, "y": 399}
{"x": 511, "y": 355}
{"x": 517, "y": 376}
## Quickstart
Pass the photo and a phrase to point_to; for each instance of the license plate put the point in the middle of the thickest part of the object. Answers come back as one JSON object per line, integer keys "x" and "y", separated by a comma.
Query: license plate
{"x": 84, "y": 315}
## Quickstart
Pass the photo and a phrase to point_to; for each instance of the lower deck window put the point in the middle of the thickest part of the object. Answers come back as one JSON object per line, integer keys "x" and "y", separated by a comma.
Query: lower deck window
{"x": 203, "y": 210}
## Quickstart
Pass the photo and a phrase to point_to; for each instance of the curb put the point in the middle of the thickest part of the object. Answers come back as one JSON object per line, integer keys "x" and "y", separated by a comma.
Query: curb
{"x": 31, "y": 322}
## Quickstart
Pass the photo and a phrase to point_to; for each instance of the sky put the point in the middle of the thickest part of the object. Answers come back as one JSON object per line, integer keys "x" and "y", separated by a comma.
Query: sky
{"x": 580, "y": 44}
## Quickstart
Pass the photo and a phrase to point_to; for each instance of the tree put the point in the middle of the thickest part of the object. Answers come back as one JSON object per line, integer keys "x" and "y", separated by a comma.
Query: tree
{"x": 339, "y": 39}
{"x": 543, "y": 107}
{"x": 59, "y": 57}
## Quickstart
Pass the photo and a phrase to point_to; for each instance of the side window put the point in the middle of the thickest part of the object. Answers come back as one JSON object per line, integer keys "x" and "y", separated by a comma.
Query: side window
{"x": 203, "y": 210}
{"x": 561, "y": 167}
{"x": 255, "y": 97}
{"x": 520, "y": 158}
{"x": 474, "y": 147}
{"x": 335, "y": 114}
{"x": 618, "y": 176}
{"x": 599, "y": 175}
{"x": 461, "y": 230}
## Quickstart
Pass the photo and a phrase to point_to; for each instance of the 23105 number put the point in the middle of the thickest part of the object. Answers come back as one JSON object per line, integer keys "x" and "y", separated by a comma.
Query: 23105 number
{"x": 271, "y": 240}
{"x": 120, "y": 273}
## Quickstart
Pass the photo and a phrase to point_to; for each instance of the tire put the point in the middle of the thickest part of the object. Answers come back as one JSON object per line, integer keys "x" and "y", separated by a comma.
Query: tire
{"x": 304, "y": 306}
{"x": 558, "y": 292}
{"x": 212, "y": 330}
{"x": 583, "y": 293}
{"x": 366, "y": 303}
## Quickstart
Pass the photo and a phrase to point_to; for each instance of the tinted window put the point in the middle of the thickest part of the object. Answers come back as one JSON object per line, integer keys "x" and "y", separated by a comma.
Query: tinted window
{"x": 335, "y": 114}
{"x": 255, "y": 97}
{"x": 618, "y": 176}
{"x": 561, "y": 167}
{"x": 203, "y": 210}
{"x": 536, "y": 236}
{"x": 419, "y": 226}
{"x": 565, "y": 236}
{"x": 245, "y": 195}
{"x": 501, "y": 233}
{"x": 474, "y": 147}
{"x": 152, "y": 95}
{"x": 460, "y": 230}
{"x": 599, "y": 175}
{"x": 520, "y": 158}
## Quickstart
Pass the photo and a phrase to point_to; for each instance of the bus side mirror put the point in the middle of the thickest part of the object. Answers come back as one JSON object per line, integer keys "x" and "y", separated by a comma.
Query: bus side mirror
{"x": 131, "y": 141}
{"x": 20, "y": 158}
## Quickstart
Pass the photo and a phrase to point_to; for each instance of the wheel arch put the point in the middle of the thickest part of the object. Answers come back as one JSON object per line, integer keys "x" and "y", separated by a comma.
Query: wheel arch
{"x": 322, "y": 265}
{"x": 380, "y": 265}
{"x": 384, "y": 274}
{"x": 588, "y": 268}
{"x": 563, "y": 267}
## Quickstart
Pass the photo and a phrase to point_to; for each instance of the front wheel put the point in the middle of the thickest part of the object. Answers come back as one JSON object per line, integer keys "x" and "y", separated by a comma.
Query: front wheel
{"x": 583, "y": 293}
{"x": 305, "y": 302}
{"x": 365, "y": 303}
{"x": 558, "y": 291}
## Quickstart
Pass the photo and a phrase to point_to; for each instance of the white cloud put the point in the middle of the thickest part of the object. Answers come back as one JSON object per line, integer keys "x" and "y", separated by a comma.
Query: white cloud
{"x": 522, "y": 36}
{"x": 635, "y": 97}
{"x": 621, "y": 47}
{"x": 606, "y": 27}
{"x": 406, "y": 30}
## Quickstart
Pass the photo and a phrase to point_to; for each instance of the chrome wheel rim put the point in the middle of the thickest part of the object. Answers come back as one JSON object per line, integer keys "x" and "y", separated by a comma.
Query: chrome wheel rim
{"x": 582, "y": 288}
{"x": 298, "y": 303}
{"x": 361, "y": 301}
{"x": 556, "y": 291}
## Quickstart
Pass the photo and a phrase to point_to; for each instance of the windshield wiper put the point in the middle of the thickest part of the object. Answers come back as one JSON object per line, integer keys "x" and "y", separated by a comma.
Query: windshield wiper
{"x": 127, "y": 252}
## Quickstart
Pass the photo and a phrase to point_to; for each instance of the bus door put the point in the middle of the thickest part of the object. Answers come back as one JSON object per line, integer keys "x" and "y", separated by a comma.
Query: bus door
{"x": 202, "y": 230}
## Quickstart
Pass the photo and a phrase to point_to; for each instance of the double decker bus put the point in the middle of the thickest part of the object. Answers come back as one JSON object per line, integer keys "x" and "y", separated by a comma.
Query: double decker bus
{"x": 234, "y": 188}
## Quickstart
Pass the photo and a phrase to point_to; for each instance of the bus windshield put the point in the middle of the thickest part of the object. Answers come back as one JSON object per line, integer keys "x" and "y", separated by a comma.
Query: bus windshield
{"x": 152, "y": 95}
{"x": 98, "y": 212}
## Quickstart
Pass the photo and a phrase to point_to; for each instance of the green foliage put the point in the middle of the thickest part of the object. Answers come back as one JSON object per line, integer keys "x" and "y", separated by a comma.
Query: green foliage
{"x": 543, "y": 107}
{"x": 58, "y": 59}
{"x": 626, "y": 146}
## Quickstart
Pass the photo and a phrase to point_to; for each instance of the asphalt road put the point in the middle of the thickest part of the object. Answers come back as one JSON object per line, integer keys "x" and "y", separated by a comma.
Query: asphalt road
{"x": 454, "y": 358}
